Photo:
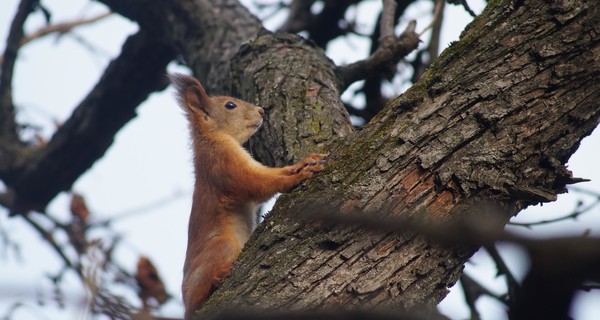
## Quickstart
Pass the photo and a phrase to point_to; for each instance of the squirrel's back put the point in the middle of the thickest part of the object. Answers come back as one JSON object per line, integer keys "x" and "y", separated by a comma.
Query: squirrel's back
{"x": 229, "y": 185}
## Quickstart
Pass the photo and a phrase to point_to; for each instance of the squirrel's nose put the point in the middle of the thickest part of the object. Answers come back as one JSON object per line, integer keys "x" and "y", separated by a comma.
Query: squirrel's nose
{"x": 261, "y": 111}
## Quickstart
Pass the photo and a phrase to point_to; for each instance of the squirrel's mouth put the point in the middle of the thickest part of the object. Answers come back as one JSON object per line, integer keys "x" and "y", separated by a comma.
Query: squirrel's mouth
{"x": 257, "y": 125}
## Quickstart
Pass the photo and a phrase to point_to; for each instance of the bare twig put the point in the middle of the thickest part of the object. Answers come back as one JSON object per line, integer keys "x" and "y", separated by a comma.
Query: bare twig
{"x": 437, "y": 14}
{"x": 573, "y": 215}
{"x": 421, "y": 63}
{"x": 511, "y": 282}
{"x": 48, "y": 237}
{"x": 472, "y": 291}
{"x": 62, "y": 27}
{"x": 128, "y": 213}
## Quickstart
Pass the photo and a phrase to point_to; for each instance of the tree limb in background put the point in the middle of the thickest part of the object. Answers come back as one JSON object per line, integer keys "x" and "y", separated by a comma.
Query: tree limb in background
{"x": 465, "y": 5}
{"x": 8, "y": 125}
{"x": 579, "y": 210}
{"x": 375, "y": 100}
{"x": 60, "y": 28}
{"x": 419, "y": 64}
{"x": 511, "y": 283}
{"x": 85, "y": 136}
{"x": 390, "y": 50}
{"x": 322, "y": 27}
{"x": 299, "y": 16}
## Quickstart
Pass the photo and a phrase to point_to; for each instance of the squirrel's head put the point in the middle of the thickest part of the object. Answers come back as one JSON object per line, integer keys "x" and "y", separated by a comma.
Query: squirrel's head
{"x": 237, "y": 118}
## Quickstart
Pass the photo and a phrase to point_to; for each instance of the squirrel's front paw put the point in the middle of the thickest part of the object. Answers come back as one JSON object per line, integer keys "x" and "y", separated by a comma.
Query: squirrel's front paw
{"x": 315, "y": 158}
{"x": 314, "y": 161}
{"x": 311, "y": 169}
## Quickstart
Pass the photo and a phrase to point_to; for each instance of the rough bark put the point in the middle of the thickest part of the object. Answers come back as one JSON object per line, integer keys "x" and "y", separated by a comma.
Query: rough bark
{"x": 495, "y": 118}
{"x": 296, "y": 84}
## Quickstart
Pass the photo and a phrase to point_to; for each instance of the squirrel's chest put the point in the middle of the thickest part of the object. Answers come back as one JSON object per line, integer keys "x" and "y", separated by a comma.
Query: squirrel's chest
{"x": 241, "y": 222}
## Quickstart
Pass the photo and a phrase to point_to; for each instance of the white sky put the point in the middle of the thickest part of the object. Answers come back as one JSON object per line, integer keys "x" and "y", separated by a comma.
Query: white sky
{"x": 150, "y": 161}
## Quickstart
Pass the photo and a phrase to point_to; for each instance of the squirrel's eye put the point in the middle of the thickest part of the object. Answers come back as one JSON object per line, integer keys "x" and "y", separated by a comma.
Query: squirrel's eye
{"x": 230, "y": 105}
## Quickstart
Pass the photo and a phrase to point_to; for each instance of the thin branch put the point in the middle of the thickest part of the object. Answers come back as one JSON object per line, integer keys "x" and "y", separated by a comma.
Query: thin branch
{"x": 511, "y": 282}
{"x": 573, "y": 215}
{"x": 473, "y": 290}
{"x": 467, "y": 281}
{"x": 129, "y": 213}
{"x": 437, "y": 14}
{"x": 585, "y": 191}
{"x": 387, "y": 55}
{"x": 62, "y": 27}
{"x": 48, "y": 237}
{"x": 375, "y": 100}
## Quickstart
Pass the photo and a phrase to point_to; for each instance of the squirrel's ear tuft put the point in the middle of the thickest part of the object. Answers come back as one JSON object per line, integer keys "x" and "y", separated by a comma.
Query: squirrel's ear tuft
{"x": 189, "y": 92}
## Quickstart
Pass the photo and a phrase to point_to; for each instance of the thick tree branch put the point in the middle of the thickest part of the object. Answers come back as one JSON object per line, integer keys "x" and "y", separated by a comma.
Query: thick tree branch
{"x": 8, "y": 126}
{"x": 496, "y": 117}
{"x": 323, "y": 26}
{"x": 299, "y": 16}
{"x": 375, "y": 100}
{"x": 206, "y": 33}
{"x": 85, "y": 136}
{"x": 387, "y": 55}
{"x": 326, "y": 25}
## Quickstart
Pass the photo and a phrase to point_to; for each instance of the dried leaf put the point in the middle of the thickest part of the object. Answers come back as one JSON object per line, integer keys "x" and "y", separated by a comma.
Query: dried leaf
{"x": 78, "y": 207}
{"x": 150, "y": 283}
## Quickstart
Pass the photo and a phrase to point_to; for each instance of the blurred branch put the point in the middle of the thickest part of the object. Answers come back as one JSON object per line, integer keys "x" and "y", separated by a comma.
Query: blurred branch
{"x": 8, "y": 126}
{"x": 128, "y": 213}
{"x": 299, "y": 16}
{"x": 126, "y": 82}
{"x": 421, "y": 63}
{"x": 388, "y": 20}
{"x": 511, "y": 282}
{"x": 573, "y": 215}
{"x": 472, "y": 290}
{"x": 383, "y": 61}
{"x": 60, "y": 28}
{"x": 559, "y": 265}
{"x": 438, "y": 10}
{"x": 375, "y": 100}
{"x": 49, "y": 238}
{"x": 322, "y": 27}
{"x": 464, "y": 4}
{"x": 434, "y": 42}
{"x": 94, "y": 264}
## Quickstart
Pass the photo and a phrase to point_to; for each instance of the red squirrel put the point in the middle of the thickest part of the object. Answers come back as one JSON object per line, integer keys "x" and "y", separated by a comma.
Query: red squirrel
{"x": 229, "y": 185}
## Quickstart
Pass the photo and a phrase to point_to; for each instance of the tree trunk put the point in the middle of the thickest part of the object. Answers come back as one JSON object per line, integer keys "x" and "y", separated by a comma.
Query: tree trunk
{"x": 495, "y": 119}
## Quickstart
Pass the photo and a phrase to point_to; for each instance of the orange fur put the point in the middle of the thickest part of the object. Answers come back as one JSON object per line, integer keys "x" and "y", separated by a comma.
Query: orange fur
{"x": 229, "y": 185}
